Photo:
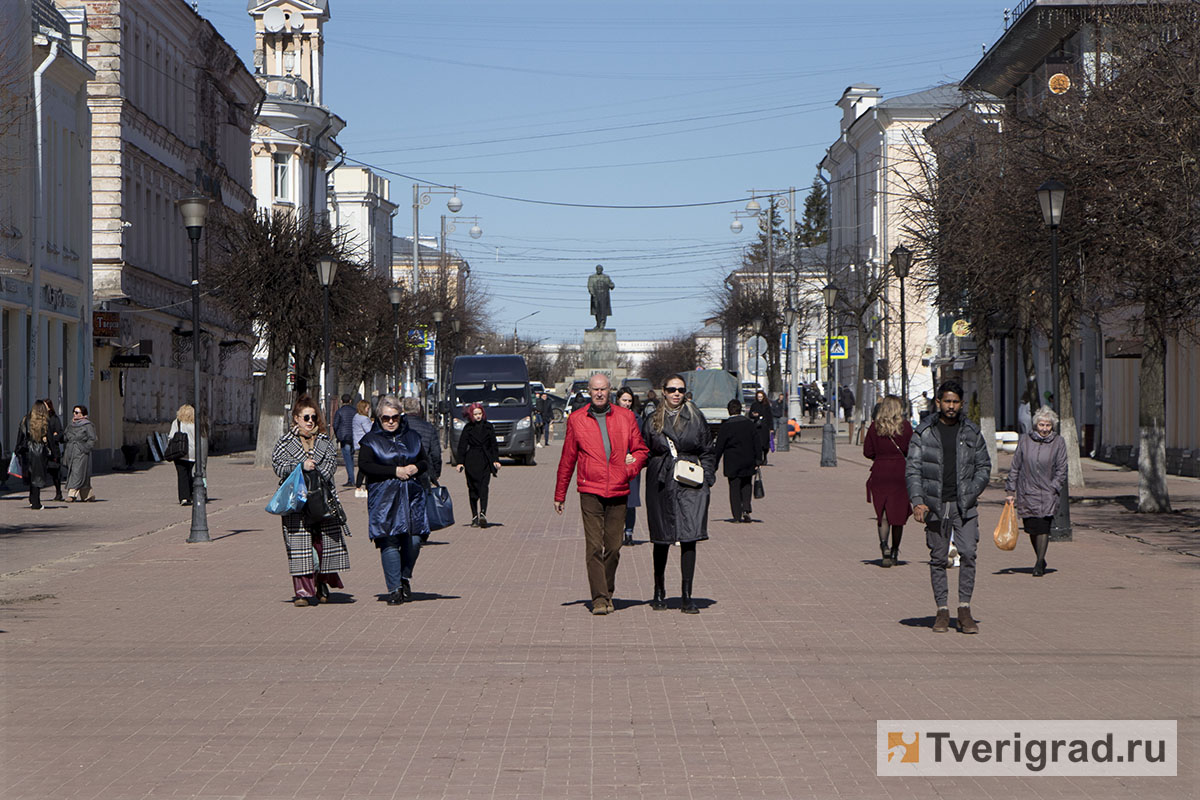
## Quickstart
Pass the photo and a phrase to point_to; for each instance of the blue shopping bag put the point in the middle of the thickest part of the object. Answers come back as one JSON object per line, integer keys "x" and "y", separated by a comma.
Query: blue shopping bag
{"x": 291, "y": 495}
{"x": 439, "y": 509}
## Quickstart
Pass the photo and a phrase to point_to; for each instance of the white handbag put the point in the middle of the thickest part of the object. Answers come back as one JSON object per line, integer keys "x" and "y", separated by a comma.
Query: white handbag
{"x": 689, "y": 473}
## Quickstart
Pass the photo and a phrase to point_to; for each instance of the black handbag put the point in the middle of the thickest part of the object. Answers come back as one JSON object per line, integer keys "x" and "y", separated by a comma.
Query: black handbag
{"x": 439, "y": 509}
{"x": 177, "y": 447}
{"x": 759, "y": 491}
{"x": 322, "y": 504}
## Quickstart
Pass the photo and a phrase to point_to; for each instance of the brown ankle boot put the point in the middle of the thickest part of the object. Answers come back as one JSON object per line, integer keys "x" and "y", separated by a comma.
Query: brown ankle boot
{"x": 966, "y": 624}
{"x": 942, "y": 623}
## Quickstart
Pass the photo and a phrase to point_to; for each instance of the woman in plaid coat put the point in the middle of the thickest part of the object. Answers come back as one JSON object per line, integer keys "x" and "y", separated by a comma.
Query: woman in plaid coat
{"x": 316, "y": 551}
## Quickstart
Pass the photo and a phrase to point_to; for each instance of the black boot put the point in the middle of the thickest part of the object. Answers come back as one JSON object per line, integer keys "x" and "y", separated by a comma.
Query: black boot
{"x": 405, "y": 590}
{"x": 659, "y": 602}
{"x": 687, "y": 606}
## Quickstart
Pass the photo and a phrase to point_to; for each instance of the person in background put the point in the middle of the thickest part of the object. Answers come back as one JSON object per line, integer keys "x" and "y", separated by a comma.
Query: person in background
{"x": 886, "y": 445}
{"x": 54, "y": 441}
{"x": 343, "y": 431}
{"x": 1024, "y": 414}
{"x": 396, "y": 464}
{"x": 627, "y": 399}
{"x": 946, "y": 470}
{"x": 778, "y": 412}
{"x": 547, "y": 421}
{"x": 479, "y": 457}
{"x": 33, "y": 451}
{"x": 541, "y": 420}
{"x": 737, "y": 445}
{"x": 185, "y": 422}
{"x": 764, "y": 423}
{"x": 677, "y": 513}
{"x": 316, "y": 551}
{"x": 414, "y": 416}
{"x": 361, "y": 427}
{"x": 1035, "y": 481}
{"x": 80, "y": 437}
{"x": 650, "y": 405}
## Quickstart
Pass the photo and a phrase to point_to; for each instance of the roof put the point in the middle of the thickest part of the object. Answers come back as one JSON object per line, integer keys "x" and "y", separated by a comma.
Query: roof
{"x": 1038, "y": 29}
{"x": 948, "y": 95}
{"x": 254, "y": 5}
{"x": 45, "y": 15}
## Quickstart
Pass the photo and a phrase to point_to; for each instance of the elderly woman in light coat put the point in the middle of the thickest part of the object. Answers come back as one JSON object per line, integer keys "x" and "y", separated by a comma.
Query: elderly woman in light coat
{"x": 1035, "y": 481}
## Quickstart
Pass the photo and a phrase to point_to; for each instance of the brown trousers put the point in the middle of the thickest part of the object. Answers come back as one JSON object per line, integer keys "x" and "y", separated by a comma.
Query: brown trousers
{"x": 603, "y": 533}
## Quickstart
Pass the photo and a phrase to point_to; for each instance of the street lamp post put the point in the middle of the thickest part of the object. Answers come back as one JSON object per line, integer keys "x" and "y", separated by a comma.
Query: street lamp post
{"x": 1051, "y": 195}
{"x": 326, "y": 270}
{"x": 395, "y": 295}
{"x": 437, "y": 355}
{"x": 783, "y": 429}
{"x": 522, "y": 319}
{"x": 421, "y": 197}
{"x": 828, "y": 433}
{"x": 901, "y": 263}
{"x": 194, "y": 209}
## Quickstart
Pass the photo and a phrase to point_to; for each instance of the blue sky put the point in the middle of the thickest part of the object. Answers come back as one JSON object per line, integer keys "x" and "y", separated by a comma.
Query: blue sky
{"x": 612, "y": 103}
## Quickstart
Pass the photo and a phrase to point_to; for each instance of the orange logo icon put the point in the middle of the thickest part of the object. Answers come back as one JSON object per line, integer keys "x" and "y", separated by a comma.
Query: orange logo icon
{"x": 906, "y": 752}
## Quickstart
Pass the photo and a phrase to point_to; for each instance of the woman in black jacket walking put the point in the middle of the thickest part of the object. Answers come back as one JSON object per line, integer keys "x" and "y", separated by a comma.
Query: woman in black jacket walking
{"x": 676, "y": 513}
{"x": 33, "y": 451}
{"x": 478, "y": 455}
{"x": 54, "y": 441}
{"x": 764, "y": 423}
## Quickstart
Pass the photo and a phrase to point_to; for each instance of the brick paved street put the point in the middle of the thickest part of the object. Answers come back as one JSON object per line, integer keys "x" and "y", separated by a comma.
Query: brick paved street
{"x": 137, "y": 666}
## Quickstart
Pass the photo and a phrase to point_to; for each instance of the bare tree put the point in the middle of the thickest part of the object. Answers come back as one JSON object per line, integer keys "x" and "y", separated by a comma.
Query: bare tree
{"x": 677, "y": 354}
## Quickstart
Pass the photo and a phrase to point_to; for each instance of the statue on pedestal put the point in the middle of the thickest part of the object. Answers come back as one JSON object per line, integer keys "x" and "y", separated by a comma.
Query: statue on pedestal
{"x": 599, "y": 285}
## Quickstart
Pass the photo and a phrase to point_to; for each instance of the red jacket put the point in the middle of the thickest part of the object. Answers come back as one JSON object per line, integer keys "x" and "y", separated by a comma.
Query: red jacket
{"x": 585, "y": 446}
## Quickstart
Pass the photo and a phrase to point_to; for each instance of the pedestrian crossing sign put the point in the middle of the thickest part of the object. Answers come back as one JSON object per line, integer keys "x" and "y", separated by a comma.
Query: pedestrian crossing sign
{"x": 838, "y": 345}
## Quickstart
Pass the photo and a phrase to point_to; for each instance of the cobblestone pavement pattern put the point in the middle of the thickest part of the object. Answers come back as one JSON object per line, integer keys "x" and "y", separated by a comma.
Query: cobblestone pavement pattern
{"x": 138, "y": 666}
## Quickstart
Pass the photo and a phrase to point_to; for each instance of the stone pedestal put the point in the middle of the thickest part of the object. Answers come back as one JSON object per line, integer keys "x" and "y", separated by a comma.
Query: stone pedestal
{"x": 600, "y": 349}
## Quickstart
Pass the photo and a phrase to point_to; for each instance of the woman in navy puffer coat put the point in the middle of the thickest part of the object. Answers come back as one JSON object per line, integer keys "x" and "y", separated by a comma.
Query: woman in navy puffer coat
{"x": 393, "y": 459}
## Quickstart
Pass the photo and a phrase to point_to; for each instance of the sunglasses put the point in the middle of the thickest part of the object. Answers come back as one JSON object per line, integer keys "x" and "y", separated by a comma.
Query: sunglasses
{"x": 77, "y": 411}
{"x": 309, "y": 417}
{"x": 389, "y": 417}
{"x": 675, "y": 389}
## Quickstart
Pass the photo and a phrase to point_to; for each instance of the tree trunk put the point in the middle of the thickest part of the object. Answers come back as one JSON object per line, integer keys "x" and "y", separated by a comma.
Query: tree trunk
{"x": 271, "y": 408}
{"x": 1066, "y": 414}
{"x": 1025, "y": 339}
{"x": 1152, "y": 412}
{"x": 774, "y": 374}
{"x": 987, "y": 399}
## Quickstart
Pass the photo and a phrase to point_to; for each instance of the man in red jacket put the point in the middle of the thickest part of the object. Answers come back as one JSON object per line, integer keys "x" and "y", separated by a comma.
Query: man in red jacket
{"x": 605, "y": 442}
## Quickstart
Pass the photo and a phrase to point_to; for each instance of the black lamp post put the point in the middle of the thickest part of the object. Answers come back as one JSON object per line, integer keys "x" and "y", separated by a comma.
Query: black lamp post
{"x": 193, "y": 210}
{"x": 395, "y": 294}
{"x": 783, "y": 428}
{"x": 326, "y": 270}
{"x": 1051, "y": 195}
{"x": 437, "y": 353}
{"x": 828, "y": 433}
{"x": 901, "y": 263}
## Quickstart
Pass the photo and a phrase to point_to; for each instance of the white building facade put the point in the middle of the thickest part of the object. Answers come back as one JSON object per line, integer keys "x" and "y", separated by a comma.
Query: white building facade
{"x": 872, "y": 168}
{"x": 359, "y": 204}
{"x": 172, "y": 106}
{"x": 45, "y": 211}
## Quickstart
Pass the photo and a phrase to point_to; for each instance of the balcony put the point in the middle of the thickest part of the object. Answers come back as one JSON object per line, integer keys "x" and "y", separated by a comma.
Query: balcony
{"x": 284, "y": 87}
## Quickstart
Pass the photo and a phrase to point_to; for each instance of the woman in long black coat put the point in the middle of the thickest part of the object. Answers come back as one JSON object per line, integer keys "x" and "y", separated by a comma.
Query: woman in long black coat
{"x": 764, "y": 423}
{"x": 479, "y": 456}
{"x": 675, "y": 513}
{"x": 33, "y": 451}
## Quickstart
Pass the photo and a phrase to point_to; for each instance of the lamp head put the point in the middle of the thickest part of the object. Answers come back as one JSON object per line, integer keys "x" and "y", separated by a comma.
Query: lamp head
{"x": 193, "y": 209}
{"x": 736, "y": 226}
{"x": 455, "y": 324}
{"x": 395, "y": 293}
{"x": 326, "y": 269}
{"x": 437, "y": 318}
{"x": 454, "y": 204}
{"x": 753, "y": 206}
{"x": 831, "y": 292}
{"x": 475, "y": 231}
{"x": 901, "y": 261}
{"x": 1051, "y": 195}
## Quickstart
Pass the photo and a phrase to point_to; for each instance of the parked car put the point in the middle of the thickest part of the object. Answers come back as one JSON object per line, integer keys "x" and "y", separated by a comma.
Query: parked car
{"x": 558, "y": 406}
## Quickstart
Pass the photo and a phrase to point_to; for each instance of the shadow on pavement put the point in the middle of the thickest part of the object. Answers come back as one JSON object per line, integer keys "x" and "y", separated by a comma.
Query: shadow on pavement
{"x": 235, "y": 532}
{"x": 14, "y": 530}
{"x": 421, "y": 596}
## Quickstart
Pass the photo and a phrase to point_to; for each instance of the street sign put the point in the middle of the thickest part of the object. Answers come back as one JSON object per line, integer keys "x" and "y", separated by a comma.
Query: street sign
{"x": 756, "y": 346}
{"x": 838, "y": 347}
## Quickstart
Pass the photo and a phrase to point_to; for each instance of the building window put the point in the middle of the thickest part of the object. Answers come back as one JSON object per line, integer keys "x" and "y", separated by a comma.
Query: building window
{"x": 283, "y": 176}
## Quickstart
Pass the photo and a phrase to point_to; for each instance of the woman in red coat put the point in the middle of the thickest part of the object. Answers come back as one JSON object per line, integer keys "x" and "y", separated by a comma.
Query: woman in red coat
{"x": 886, "y": 445}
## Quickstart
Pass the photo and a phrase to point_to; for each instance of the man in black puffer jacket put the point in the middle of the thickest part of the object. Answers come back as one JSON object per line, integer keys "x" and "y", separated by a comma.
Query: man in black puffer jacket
{"x": 946, "y": 471}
